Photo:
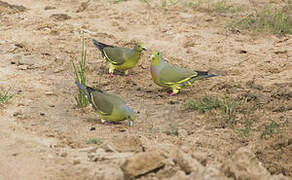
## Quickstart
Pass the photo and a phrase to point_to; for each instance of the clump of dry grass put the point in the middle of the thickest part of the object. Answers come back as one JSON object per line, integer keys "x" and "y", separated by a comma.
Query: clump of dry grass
{"x": 5, "y": 96}
{"x": 93, "y": 141}
{"x": 228, "y": 106}
{"x": 234, "y": 112}
{"x": 270, "y": 129}
{"x": 277, "y": 21}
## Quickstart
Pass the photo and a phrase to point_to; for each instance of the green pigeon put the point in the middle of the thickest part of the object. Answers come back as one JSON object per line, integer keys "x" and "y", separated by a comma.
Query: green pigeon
{"x": 110, "y": 107}
{"x": 118, "y": 57}
{"x": 173, "y": 77}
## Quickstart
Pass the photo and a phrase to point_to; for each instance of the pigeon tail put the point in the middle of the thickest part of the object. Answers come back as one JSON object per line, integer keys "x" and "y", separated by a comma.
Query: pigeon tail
{"x": 86, "y": 89}
{"x": 205, "y": 74}
{"x": 100, "y": 46}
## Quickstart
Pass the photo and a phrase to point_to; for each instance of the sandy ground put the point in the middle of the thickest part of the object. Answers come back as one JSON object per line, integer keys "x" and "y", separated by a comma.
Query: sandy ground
{"x": 43, "y": 135}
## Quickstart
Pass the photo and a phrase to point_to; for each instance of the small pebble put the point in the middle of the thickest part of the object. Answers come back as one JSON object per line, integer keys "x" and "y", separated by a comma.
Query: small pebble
{"x": 63, "y": 154}
{"x": 241, "y": 51}
{"x": 76, "y": 161}
{"x": 49, "y": 93}
{"x": 171, "y": 102}
{"x": 17, "y": 113}
{"x": 92, "y": 129}
{"x": 58, "y": 70}
{"x": 123, "y": 130}
{"x": 22, "y": 67}
{"x": 49, "y": 8}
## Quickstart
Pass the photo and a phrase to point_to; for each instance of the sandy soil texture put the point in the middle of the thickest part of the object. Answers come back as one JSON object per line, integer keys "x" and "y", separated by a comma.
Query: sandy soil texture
{"x": 45, "y": 136}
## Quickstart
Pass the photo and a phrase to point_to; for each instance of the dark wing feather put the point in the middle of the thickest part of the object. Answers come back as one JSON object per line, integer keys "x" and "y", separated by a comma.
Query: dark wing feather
{"x": 101, "y": 46}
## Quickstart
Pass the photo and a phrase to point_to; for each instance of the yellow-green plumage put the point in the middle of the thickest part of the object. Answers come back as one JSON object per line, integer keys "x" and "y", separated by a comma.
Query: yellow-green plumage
{"x": 120, "y": 58}
{"x": 109, "y": 107}
{"x": 171, "y": 76}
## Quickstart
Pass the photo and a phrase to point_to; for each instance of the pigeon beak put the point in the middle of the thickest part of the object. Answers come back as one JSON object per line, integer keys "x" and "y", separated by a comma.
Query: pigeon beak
{"x": 144, "y": 48}
{"x": 130, "y": 123}
{"x": 151, "y": 56}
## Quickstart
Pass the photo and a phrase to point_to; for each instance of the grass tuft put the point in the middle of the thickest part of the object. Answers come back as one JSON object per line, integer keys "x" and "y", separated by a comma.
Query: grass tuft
{"x": 219, "y": 7}
{"x": 249, "y": 118}
{"x": 235, "y": 112}
{"x": 5, "y": 97}
{"x": 147, "y": 2}
{"x": 192, "y": 5}
{"x": 245, "y": 132}
{"x": 93, "y": 141}
{"x": 80, "y": 77}
{"x": 118, "y": 1}
{"x": 172, "y": 129}
{"x": 267, "y": 20}
{"x": 270, "y": 129}
{"x": 228, "y": 106}
{"x": 202, "y": 105}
